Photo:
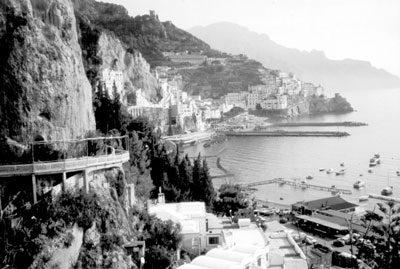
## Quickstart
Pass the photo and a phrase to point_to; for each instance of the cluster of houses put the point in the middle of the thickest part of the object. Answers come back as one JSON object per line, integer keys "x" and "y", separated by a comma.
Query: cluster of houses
{"x": 176, "y": 107}
{"x": 274, "y": 93}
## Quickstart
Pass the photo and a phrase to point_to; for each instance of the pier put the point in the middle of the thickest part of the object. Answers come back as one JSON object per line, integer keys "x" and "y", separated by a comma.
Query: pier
{"x": 320, "y": 124}
{"x": 281, "y": 181}
{"x": 384, "y": 198}
{"x": 287, "y": 133}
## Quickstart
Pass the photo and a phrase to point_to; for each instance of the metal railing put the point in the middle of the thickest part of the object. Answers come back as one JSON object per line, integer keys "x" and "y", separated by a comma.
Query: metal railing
{"x": 63, "y": 154}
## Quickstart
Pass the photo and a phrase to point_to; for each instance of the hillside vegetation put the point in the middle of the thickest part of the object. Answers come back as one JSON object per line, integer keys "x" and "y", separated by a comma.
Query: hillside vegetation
{"x": 214, "y": 81}
{"x": 145, "y": 33}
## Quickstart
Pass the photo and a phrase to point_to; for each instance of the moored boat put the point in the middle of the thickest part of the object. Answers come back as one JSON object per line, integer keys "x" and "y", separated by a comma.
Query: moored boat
{"x": 322, "y": 169}
{"x": 387, "y": 191}
{"x": 329, "y": 171}
{"x": 359, "y": 184}
{"x": 341, "y": 172}
{"x": 363, "y": 198}
{"x": 309, "y": 177}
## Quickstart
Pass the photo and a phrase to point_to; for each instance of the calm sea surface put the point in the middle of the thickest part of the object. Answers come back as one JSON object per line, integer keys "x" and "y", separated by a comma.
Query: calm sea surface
{"x": 259, "y": 158}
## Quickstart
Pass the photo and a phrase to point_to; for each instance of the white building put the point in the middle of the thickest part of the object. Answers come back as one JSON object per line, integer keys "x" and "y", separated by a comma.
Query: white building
{"x": 201, "y": 230}
{"x": 111, "y": 78}
{"x": 253, "y": 99}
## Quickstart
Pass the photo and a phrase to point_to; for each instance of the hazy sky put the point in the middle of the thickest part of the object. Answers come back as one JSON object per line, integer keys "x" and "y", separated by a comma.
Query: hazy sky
{"x": 359, "y": 29}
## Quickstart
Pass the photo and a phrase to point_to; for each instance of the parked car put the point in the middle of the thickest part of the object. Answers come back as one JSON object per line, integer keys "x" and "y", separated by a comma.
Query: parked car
{"x": 310, "y": 240}
{"x": 347, "y": 239}
{"x": 284, "y": 211}
{"x": 298, "y": 237}
{"x": 283, "y": 220}
{"x": 338, "y": 243}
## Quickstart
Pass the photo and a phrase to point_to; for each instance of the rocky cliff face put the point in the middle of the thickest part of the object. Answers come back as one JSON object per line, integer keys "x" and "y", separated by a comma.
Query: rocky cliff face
{"x": 136, "y": 71}
{"x": 43, "y": 86}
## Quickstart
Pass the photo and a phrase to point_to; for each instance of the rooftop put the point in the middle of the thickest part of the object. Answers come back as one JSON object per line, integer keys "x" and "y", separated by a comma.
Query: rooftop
{"x": 334, "y": 202}
{"x": 323, "y": 222}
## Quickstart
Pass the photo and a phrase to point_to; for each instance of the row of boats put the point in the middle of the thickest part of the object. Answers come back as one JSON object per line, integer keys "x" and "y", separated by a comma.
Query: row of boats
{"x": 374, "y": 161}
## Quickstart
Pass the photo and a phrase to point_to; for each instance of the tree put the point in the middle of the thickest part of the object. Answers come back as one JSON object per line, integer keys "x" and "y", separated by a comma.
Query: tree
{"x": 163, "y": 238}
{"x": 383, "y": 232}
{"x": 209, "y": 193}
{"x": 231, "y": 199}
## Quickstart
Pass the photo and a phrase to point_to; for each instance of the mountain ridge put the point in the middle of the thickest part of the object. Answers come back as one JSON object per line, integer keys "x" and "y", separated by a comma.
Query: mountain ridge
{"x": 311, "y": 66}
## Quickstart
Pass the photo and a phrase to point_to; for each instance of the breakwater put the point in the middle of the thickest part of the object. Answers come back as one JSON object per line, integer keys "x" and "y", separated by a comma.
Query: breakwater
{"x": 287, "y": 133}
{"x": 311, "y": 124}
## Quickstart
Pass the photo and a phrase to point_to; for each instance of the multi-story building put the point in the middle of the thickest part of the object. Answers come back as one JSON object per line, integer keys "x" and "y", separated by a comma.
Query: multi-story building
{"x": 112, "y": 80}
{"x": 253, "y": 99}
{"x": 200, "y": 230}
{"x": 275, "y": 102}
{"x": 236, "y": 99}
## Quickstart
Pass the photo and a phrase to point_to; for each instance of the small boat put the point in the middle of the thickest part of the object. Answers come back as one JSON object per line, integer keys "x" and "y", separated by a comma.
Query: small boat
{"x": 342, "y": 164}
{"x": 363, "y": 198}
{"x": 372, "y": 163}
{"x": 387, "y": 191}
{"x": 359, "y": 184}
{"x": 341, "y": 172}
{"x": 309, "y": 177}
{"x": 329, "y": 171}
{"x": 370, "y": 170}
{"x": 360, "y": 175}
{"x": 322, "y": 169}
{"x": 377, "y": 156}
{"x": 398, "y": 173}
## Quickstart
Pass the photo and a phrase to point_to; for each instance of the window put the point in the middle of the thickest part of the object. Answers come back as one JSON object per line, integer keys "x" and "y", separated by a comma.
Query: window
{"x": 213, "y": 240}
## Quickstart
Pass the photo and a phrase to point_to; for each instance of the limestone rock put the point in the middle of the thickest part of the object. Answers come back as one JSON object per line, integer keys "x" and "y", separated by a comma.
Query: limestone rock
{"x": 136, "y": 70}
{"x": 43, "y": 86}
{"x": 92, "y": 236}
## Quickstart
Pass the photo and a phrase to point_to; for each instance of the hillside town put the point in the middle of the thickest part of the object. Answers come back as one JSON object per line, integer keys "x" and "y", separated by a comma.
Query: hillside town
{"x": 280, "y": 92}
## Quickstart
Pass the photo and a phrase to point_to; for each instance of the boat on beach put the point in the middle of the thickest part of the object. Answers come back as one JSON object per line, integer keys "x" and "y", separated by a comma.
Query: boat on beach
{"x": 363, "y": 198}
{"x": 359, "y": 184}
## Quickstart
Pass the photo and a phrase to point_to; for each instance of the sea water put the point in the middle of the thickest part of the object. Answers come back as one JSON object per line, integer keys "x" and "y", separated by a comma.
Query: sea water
{"x": 294, "y": 158}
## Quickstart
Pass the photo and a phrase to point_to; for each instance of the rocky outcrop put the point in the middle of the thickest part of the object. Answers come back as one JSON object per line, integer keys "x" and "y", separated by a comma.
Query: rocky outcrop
{"x": 136, "y": 71}
{"x": 337, "y": 104}
{"x": 43, "y": 86}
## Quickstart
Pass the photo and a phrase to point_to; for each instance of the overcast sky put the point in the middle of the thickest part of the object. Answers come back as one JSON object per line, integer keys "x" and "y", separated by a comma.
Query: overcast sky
{"x": 358, "y": 29}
